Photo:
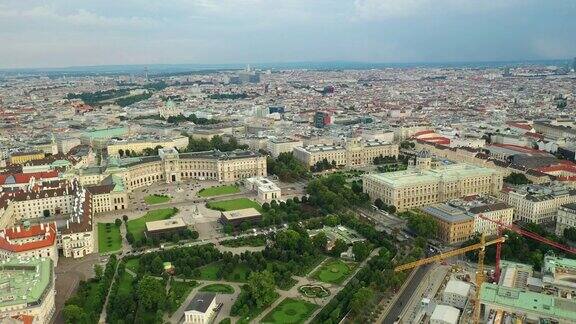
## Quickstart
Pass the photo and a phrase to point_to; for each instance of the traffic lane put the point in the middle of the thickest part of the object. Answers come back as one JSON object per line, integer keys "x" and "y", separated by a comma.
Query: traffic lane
{"x": 406, "y": 294}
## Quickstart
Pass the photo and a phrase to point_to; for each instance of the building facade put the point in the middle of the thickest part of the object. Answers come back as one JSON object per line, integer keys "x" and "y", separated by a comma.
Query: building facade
{"x": 566, "y": 218}
{"x": 537, "y": 203}
{"x": 454, "y": 225}
{"x": 36, "y": 241}
{"x": 456, "y": 293}
{"x": 67, "y": 201}
{"x": 277, "y": 146}
{"x": 355, "y": 152}
{"x": 419, "y": 187}
{"x": 114, "y": 149}
{"x": 170, "y": 166}
{"x": 266, "y": 189}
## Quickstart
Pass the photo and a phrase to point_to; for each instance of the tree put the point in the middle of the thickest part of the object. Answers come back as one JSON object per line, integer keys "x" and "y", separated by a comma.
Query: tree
{"x": 379, "y": 203}
{"x": 288, "y": 239}
{"x": 361, "y": 301}
{"x": 570, "y": 233}
{"x": 262, "y": 288}
{"x": 361, "y": 251}
{"x": 320, "y": 241}
{"x": 331, "y": 220}
{"x": 423, "y": 225}
{"x": 121, "y": 152}
{"x": 118, "y": 222}
{"x": 73, "y": 314}
{"x": 151, "y": 293}
{"x": 130, "y": 237}
{"x": 228, "y": 229}
{"x": 517, "y": 179}
{"x": 339, "y": 247}
{"x": 125, "y": 218}
{"x": 98, "y": 271}
{"x": 194, "y": 235}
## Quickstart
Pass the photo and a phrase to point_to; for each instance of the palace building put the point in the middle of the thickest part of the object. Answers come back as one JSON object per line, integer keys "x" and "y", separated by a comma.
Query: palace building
{"x": 354, "y": 152}
{"x": 65, "y": 203}
{"x": 426, "y": 184}
{"x": 170, "y": 166}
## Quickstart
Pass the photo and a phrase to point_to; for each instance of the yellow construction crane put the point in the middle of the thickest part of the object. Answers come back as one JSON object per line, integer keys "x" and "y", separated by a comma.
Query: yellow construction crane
{"x": 479, "y": 275}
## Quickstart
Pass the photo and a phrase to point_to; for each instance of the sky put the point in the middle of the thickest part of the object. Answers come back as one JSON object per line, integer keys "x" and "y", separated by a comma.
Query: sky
{"x": 61, "y": 33}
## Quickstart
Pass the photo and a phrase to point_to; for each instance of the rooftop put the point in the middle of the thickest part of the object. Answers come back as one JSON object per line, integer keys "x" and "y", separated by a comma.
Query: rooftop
{"x": 241, "y": 213}
{"x": 525, "y": 301}
{"x": 447, "y": 314}
{"x": 447, "y": 213}
{"x": 165, "y": 224}
{"x": 24, "y": 281}
{"x": 201, "y": 302}
{"x": 457, "y": 287}
{"x": 106, "y": 133}
{"x": 450, "y": 172}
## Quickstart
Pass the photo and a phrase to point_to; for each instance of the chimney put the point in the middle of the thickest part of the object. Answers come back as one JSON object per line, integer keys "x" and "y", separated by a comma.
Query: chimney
{"x": 18, "y": 229}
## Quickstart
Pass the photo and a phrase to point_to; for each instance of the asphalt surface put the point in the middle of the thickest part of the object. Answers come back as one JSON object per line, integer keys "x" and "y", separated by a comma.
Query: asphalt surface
{"x": 406, "y": 294}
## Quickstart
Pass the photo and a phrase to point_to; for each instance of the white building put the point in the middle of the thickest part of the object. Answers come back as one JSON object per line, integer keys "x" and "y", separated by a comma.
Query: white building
{"x": 456, "y": 293}
{"x": 445, "y": 315}
{"x": 266, "y": 189}
{"x": 36, "y": 241}
{"x": 201, "y": 309}
{"x": 566, "y": 218}
{"x": 169, "y": 109}
{"x": 277, "y": 146}
{"x": 538, "y": 203}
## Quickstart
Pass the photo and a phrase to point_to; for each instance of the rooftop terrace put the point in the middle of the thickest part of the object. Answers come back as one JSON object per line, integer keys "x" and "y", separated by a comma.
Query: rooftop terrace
{"x": 24, "y": 281}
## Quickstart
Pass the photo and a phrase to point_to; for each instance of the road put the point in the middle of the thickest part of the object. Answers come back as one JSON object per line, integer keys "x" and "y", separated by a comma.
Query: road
{"x": 405, "y": 295}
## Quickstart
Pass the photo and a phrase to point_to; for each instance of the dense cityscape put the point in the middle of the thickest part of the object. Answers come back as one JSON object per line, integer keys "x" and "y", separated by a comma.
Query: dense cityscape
{"x": 287, "y": 162}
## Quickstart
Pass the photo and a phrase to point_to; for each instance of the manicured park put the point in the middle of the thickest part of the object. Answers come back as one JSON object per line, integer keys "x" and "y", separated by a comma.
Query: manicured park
{"x": 138, "y": 226}
{"x": 218, "y": 191}
{"x": 210, "y": 272}
{"x": 156, "y": 199}
{"x": 218, "y": 288}
{"x": 109, "y": 238}
{"x": 291, "y": 311}
{"x": 334, "y": 271}
{"x": 234, "y": 204}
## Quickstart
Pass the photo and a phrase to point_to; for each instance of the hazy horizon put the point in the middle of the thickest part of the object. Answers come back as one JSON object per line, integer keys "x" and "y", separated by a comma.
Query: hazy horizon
{"x": 66, "y": 33}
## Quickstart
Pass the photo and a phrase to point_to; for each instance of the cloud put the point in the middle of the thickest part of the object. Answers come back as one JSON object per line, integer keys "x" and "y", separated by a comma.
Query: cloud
{"x": 77, "y": 18}
{"x": 390, "y": 9}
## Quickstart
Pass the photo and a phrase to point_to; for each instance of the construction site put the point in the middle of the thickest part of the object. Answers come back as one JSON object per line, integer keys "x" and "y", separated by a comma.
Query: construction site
{"x": 446, "y": 289}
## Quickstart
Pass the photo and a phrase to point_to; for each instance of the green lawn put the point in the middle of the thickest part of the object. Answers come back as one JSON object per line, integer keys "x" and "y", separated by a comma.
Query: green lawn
{"x": 334, "y": 271}
{"x": 156, "y": 199}
{"x": 291, "y": 311}
{"x": 109, "y": 238}
{"x": 254, "y": 312}
{"x": 138, "y": 226}
{"x": 133, "y": 264}
{"x": 179, "y": 290}
{"x": 234, "y": 204}
{"x": 218, "y": 288}
{"x": 218, "y": 191}
{"x": 125, "y": 284}
{"x": 239, "y": 274}
{"x": 210, "y": 272}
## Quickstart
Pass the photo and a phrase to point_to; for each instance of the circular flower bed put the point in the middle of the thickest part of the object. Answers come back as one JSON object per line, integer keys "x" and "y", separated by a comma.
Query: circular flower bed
{"x": 314, "y": 291}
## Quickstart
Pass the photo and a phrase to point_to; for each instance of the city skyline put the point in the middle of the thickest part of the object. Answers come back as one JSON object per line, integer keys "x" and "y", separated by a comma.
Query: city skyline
{"x": 63, "y": 33}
